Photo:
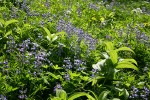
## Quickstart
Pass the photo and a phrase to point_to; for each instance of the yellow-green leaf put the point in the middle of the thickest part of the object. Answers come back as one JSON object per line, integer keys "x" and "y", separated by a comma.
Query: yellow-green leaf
{"x": 109, "y": 46}
{"x": 8, "y": 33}
{"x": 130, "y": 60}
{"x": 47, "y": 32}
{"x": 103, "y": 95}
{"x": 126, "y": 65}
{"x": 79, "y": 94}
{"x": 124, "y": 49}
{"x": 113, "y": 56}
{"x": 10, "y": 22}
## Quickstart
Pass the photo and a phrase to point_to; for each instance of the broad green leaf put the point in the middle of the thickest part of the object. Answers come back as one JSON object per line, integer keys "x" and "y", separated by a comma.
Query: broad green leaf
{"x": 111, "y": 14}
{"x": 131, "y": 78}
{"x": 55, "y": 36}
{"x": 56, "y": 98}
{"x": 57, "y": 67}
{"x": 8, "y": 33}
{"x": 113, "y": 56}
{"x": 94, "y": 81}
{"x": 141, "y": 84}
{"x": 124, "y": 49}
{"x": 2, "y": 22}
{"x": 48, "y": 33}
{"x": 127, "y": 84}
{"x": 126, "y": 65}
{"x": 85, "y": 78}
{"x": 115, "y": 99}
{"x": 59, "y": 33}
{"x": 1, "y": 31}
{"x": 72, "y": 75}
{"x": 109, "y": 46}
{"x": 148, "y": 74}
{"x": 103, "y": 95}
{"x": 10, "y": 22}
{"x": 102, "y": 19}
{"x": 126, "y": 94}
{"x": 61, "y": 94}
{"x": 129, "y": 60}
{"x": 45, "y": 66}
{"x": 45, "y": 79}
{"x": 79, "y": 94}
{"x": 53, "y": 75}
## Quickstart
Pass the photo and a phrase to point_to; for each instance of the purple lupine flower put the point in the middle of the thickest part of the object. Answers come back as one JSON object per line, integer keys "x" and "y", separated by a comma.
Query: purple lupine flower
{"x": 58, "y": 86}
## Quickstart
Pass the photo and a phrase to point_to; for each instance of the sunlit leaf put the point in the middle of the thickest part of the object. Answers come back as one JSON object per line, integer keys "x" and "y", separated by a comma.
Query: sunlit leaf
{"x": 79, "y": 94}
{"x": 48, "y": 33}
{"x": 115, "y": 99}
{"x": 61, "y": 94}
{"x": 126, "y": 94}
{"x": 130, "y": 60}
{"x": 56, "y": 98}
{"x": 57, "y": 67}
{"x": 126, "y": 65}
{"x": 103, "y": 95}
{"x": 109, "y": 46}
{"x": 113, "y": 56}
{"x": 2, "y": 22}
{"x": 1, "y": 31}
{"x": 124, "y": 49}
{"x": 10, "y": 22}
{"x": 8, "y": 33}
{"x": 53, "y": 75}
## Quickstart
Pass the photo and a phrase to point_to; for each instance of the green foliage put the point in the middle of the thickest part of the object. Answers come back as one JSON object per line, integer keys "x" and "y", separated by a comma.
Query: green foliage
{"x": 74, "y": 50}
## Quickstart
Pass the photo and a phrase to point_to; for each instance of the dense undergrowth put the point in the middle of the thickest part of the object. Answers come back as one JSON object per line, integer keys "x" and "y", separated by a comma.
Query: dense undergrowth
{"x": 74, "y": 49}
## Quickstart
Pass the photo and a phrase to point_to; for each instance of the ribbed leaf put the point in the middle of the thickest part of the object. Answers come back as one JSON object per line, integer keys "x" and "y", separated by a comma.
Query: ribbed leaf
{"x": 103, "y": 95}
{"x": 115, "y": 99}
{"x": 8, "y": 33}
{"x": 109, "y": 46}
{"x": 113, "y": 56}
{"x": 79, "y": 94}
{"x": 10, "y": 22}
{"x": 56, "y": 98}
{"x": 55, "y": 36}
{"x": 1, "y": 31}
{"x": 53, "y": 75}
{"x": 124, "y": 49}
{"x": 48, "y": 33}
{"x": 2, "y": 21}
{"x": 129, "y": 60}
{"x": 126, "y": 94}
{"x": 61, "y": 94}
{"x": 126, "y": 65}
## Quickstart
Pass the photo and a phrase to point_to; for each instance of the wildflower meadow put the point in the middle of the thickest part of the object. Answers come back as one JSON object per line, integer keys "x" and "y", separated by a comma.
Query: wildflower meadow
{"x": 74, "y": 50}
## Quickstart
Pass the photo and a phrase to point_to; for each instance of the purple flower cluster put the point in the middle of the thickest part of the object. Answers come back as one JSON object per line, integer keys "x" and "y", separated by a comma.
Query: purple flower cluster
{"x": 78, "y": 64}
{"x": 28, "y": 54}
{"x": 2, "y": 97}
{"x": 140, "y": 94}
{"x": 68, "y": 64}
{"x": 94, "y": 72}
{"x": 93, "y": 6}
{"x": 58, "y": 86}
{"x": 11, "y": 45}
{"x": 22, "y": 95}
{"x": 72, "y": 30}
{"x": 67, "y": 77}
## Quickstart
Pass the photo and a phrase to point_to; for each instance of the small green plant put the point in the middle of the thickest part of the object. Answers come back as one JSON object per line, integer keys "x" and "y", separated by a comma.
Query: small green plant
{"x": 113, "y": 62}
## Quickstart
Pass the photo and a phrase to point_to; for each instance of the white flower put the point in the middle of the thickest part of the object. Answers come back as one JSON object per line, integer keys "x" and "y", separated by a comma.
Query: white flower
{"x": 99, "y": 65}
